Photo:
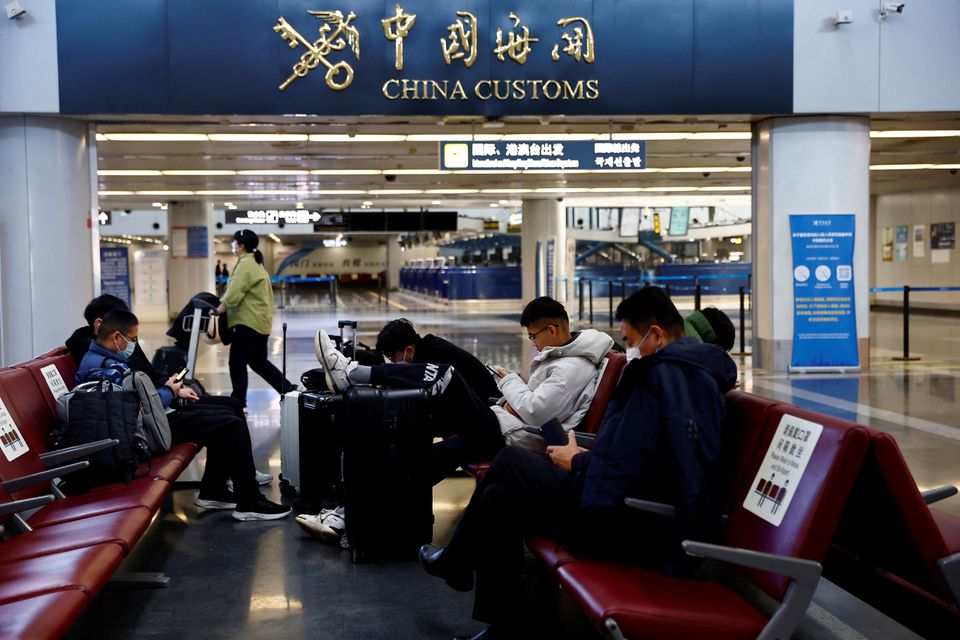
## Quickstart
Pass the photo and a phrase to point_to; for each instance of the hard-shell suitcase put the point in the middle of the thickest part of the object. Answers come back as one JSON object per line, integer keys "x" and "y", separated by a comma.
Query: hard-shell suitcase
{"x": 320, "y": 449}
{"x": 290, "y": 443}
{"x": 388, "y": 497}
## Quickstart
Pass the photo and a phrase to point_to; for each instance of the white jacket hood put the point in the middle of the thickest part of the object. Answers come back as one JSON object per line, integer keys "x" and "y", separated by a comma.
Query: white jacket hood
{"x": 589, "y": 343}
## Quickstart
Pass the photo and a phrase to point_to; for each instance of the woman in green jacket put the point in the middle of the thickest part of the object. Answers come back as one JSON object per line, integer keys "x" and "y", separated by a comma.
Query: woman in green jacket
{"x": 249, "y": 303}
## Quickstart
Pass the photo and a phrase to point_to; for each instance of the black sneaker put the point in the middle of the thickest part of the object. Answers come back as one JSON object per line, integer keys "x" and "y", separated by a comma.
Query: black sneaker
{"x": 261, "y": 509}
{"x": 224, "y": 500}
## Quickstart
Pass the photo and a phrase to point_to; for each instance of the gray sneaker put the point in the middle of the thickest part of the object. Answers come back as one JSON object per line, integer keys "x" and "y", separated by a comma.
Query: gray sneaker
{"x": 336, "y": 366}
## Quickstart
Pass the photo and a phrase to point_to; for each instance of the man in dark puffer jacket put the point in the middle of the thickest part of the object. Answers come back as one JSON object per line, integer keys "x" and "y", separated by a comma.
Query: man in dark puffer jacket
{"x": 660, "y": 440}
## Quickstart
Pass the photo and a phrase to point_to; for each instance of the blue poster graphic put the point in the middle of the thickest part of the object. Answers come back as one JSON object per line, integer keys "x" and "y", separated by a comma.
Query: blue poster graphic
{"x": 551, "y": 265}
{"x": 115, "y": 273}
{"x": 197, "y": 242}
{"x": 824, "y": 309}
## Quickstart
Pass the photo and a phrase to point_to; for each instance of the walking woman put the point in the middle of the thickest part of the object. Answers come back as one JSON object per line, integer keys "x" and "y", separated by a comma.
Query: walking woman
{"x": 248, "y": 302}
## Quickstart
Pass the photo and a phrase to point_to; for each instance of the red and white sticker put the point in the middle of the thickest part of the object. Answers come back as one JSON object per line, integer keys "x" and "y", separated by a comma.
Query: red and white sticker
{"x": 11, "y": 440}
{"x": 782, "y": 469}
{"x": 54, "y": 380}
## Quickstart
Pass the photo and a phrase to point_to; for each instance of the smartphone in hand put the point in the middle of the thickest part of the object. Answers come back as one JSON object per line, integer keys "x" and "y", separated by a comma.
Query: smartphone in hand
{"x": 180, "y": 376}
{"x": 554, "y": 433}
{"x": 493, "y": 372}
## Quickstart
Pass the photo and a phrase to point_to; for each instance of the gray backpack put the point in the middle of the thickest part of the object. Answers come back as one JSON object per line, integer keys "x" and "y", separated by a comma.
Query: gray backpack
{"x": 156, "y": 427}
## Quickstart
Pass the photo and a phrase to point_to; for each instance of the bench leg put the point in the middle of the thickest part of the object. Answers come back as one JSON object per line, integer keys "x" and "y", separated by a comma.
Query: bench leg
{"x": 139, "y": 580}
{"x": 613, "y": 629}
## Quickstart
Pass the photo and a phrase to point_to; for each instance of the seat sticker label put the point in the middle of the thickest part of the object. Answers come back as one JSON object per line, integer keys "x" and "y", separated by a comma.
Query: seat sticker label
{"x": 11, "y": 440}
{"x": 54, "y": 380}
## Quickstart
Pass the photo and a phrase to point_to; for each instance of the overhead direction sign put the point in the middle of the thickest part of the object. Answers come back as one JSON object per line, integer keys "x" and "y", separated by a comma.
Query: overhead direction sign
{"x": 546, "y": 155}
{"x": 273, "y": 216}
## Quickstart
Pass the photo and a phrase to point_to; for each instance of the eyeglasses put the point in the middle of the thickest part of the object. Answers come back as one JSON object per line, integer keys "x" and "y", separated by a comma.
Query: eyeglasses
{"x": 533, "y": 336}
{"x": 129, "y": 339}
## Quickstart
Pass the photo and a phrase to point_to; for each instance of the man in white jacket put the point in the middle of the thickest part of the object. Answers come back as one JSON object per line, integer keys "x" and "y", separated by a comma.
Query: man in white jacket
{"x": 563, "y": 376}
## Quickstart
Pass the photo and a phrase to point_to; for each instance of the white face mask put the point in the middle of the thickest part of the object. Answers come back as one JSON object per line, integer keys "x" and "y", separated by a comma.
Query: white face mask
{"x": 633, "y": 353}
{"x": 233, "y": 247}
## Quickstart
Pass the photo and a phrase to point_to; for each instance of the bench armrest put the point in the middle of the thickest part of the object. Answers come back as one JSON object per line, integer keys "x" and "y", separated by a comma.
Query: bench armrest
{"x": 658, "y": 508}
{"x": 18, "y": 506}
{"x": 18, "y": 484}
{"x": 67, "y": 454}
{"x": 938, "y": 493}
{"x": 804, "y": 575}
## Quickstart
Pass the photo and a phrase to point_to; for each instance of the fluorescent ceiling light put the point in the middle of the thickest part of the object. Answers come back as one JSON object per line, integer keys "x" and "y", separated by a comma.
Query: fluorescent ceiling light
{"x": 720, "y": 135}
{"x": 725, "y": 188}
{"x": 503, "y": 190}
{"x": 393, "y": 192}
{"x": 413, "y": 172}
{"x": 702, "y": 169}
{"x": 225, "y": 192}
{"x": 275, "y": 238}
{"x": 258, "y": 137}
{"x": 487, "y": 137}
{"x": 156, "y": 137}
{"x": 360, "y": 137}
{"x": 613, "y": 189}
{"x": 899, "y": 167}
{"x": 452, "y": 191}
{"x": 434, "y": 202}
{"x": 436, "y": 137}
{"x": 947, "y": 166}
{"x": 667, "y": 189}
{"x": 115, "y": 193}
{"x": 199, "y": 172}
{"x": 128, "y": 172}
{"x": 339, "y": 192}
{"x": 345, "y": 172}
{"x": 101, "y": 137}
{"x": 273, "y": 172}
{"x": 489, "y": 173}
{"x": 281, "y": 192}
{"x": 164, "y": 193}
{"x": 556, "y": 190}
{"x": 555, "y": 136}
{"x": 930, "y": 133}
{"x": 652, "y": 135}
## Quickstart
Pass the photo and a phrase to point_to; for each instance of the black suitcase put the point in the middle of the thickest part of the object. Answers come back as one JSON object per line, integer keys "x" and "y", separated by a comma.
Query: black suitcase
{"x": 388, "y": 497}
{"x": 321, "y": 446}
{"x": 169, "y": 360}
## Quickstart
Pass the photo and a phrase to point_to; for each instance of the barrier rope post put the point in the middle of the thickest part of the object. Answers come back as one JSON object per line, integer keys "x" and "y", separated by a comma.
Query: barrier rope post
{"x": 623, "y": 289}
{"x": 580, "y": 297}
{"x": 906, "y": 327}
{"x": 379, "y": 291}
{"x": 743, "y": 326}
{"x": 590, "y": 285}
{"x": 386, "y": 288}
{"x": 610, "y": 298}
{"x": 696, "y": 293}
{"x": 667, "y": 289}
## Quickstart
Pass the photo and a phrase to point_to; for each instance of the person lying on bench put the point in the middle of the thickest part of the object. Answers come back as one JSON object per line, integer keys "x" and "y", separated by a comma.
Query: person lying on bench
{"x": 78, "y": 343}
{"x": 563, "y": 379}
{"x": 229, "y": 452}
{"x": 660, "y": 440}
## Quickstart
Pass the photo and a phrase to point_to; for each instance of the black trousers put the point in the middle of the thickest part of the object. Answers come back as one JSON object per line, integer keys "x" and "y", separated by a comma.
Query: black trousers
{"x": 458, "y": 412}
{"x": 229, "y": 450}
{"x": 249, "y": 348}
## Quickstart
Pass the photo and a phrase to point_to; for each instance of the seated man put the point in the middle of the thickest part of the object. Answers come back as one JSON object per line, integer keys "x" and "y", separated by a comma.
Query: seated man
{"x": 229, "y": 453}
{"x": 562, "y": 382}
{"x": 711, "y": 326}
{"x": 400, "y": 342}
{"x": 78, "y": 343}
{"x": 660, "y": 440}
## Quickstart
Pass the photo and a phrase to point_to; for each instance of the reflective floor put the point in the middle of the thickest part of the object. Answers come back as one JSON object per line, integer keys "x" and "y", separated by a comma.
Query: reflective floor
{"x": 269, "y": 580}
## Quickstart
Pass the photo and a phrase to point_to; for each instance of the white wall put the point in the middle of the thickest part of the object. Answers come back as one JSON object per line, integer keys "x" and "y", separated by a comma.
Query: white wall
{"x": 29, "y": 81}
{"x": 911, "y": 209}
{"x": 904, "y": 63}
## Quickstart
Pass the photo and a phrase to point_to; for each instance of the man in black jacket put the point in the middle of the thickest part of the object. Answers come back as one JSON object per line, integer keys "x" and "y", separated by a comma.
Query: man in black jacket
{"x": 660, "y": 440}
{"x": 400, "y": 342}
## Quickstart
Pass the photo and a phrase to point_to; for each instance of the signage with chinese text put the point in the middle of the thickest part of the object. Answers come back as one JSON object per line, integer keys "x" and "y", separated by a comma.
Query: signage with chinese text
{"x": 523, "y": 155}
{"x": 115, "y": 272}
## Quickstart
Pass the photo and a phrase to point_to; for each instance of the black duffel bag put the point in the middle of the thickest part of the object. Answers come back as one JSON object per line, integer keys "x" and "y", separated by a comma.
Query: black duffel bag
{"x": 96, "y": 411}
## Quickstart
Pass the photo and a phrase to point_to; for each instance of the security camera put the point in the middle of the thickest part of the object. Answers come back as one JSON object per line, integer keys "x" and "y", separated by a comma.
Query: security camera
{"x": 706, "y": 174}
{"x": 14, "y": 10}
{"x": 741, "y": 158}
{"x": 389, "y": 177}
{"x": 953, "y": 172}
{"x": 893, "y": 7}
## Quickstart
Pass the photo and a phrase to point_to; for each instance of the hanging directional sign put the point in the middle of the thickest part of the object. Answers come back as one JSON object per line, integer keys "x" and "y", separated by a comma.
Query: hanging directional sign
{"x": 105, "y": 218}
{"x": 273, "y": 216}
{"x": 531, "y": 155}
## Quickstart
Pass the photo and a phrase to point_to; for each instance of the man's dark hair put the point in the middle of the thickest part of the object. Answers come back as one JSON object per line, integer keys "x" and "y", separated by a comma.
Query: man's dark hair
{"x": 543, "y": 308}
{"x": 395, "y": 336}
{"x": 100, "y": 306}
{"x": 722, "y": 327}
{"x": 650, "y": 305}
{"x": 118, "y": 320}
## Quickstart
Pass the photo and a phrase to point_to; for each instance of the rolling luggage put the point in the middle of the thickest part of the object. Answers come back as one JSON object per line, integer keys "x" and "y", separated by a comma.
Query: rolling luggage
{"x": 319, "y": 450}
{"x": 290, "y": 443}
{"x": 388, "y": 496}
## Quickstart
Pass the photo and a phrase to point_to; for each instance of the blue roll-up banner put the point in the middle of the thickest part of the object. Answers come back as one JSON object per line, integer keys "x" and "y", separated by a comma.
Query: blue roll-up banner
{"x": 115, "y": 273}
{"x": 824, "y": 308}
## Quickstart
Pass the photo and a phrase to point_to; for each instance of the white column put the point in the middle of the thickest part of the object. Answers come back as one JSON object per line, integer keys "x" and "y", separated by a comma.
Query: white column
{"x": 49, "y": 253}
{"x": 811, "y": 165}
{"x": 189, "y": 276}
{"x": 543, "y": 220}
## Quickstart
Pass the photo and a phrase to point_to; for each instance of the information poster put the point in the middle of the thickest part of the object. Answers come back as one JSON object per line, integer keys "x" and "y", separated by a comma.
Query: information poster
{"x": 115, "y": 273}
{"x": 943, "y": 235}
{"x": 918, "y": 241}
{"x": 54, "y": 380}
{"x": 198, "y": 245}
{"x": 551, "y": 270}
{"x": 11, "y": 440}
{"x": 824, "y": 315}
{"x": 782, "y": 469}
{"x": 178, "y": 242}
{"x": 900, "y": 245}
{"x": 887, "y": 244}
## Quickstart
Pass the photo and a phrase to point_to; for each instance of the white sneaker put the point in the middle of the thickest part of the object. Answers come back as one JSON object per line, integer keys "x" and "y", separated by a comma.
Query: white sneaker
{"x": 336, "y": 366}
{"x": 262, "y": 479}
{"x": 328, "y": 526}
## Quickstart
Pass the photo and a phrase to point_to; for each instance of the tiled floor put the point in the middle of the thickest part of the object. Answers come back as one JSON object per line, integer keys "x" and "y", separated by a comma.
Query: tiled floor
{"x": 269, "y": 580}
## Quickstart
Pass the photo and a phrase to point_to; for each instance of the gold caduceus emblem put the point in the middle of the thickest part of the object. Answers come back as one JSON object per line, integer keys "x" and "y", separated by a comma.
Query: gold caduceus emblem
{"x": 336, "y": 33}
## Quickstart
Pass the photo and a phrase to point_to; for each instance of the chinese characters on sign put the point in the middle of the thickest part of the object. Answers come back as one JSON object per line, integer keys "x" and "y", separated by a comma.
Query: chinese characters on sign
{"x": 782, "y": 468}
{"x": 460, "y": 45}
{"x": 524, "y": 155}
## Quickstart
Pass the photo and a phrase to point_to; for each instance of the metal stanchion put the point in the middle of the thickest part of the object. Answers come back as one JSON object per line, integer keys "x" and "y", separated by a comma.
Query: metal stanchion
{"x": 906, "y": 327}
{"x": 580, "y": 298}
{"x": 696, "y": 293}
{"x": 623, "y": 289}
{"x": 667, "y": 289}
{"x": 743, "y": 325}
{"x": 610, "y": 298}
{"x": 590, "y": 285}
{"x": 379, "y": 291}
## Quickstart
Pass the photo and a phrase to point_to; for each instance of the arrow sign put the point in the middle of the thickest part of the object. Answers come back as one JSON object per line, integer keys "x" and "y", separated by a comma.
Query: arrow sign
{"x": 104, "y": 217}
{"x": 314, "y": 216}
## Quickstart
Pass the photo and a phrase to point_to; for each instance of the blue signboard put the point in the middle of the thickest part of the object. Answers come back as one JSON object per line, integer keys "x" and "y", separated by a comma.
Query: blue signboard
{"x": 551, "y": 258}
{"x": 425, "y": 57}
{"x": 198, "y": 245}
{"x": 824, "y": 308}
{"x": 115, "y": 273}
{"x": 525, "y": 155}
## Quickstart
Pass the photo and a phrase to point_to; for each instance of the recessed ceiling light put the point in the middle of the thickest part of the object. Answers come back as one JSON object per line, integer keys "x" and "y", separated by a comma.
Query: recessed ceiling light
{"x": 413, "y": 172}
{"x": 199, "y": 172}
{"x": 899, "y": 167}
{"x": 345, "y": 172}
{"x": 128, "y": 172}
{"x": 434, "y": 202}
{"x": 393, "y": 192}
{"x": 273, "y": 172}
{"x": 930, "y": 133}
{"x": 165, "y": 193}
{"x": 156, "y": 137}
{"x": 452, "y": 191}
{"x": 114, "y": 193}
{"x": 258, "y": 137}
